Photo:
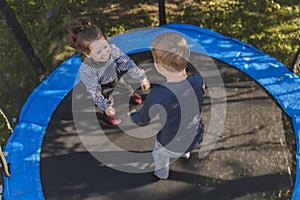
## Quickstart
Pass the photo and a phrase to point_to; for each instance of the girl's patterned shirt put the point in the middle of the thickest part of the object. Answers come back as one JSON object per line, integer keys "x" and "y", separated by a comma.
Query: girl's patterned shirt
{"x": 94, "y": 74}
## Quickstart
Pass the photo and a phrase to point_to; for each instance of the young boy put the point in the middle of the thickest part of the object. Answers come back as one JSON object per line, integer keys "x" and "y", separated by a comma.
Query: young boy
{"x": 180, "y": 99}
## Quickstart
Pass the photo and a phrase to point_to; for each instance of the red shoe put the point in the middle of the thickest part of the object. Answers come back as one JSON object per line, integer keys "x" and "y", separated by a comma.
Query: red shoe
{"x": 113, "y": 120}
{"x": 137, "y": 99}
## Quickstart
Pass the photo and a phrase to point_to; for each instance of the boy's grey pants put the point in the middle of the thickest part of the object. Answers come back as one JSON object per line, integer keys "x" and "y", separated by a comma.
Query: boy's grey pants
{"x": 162, "y": 160}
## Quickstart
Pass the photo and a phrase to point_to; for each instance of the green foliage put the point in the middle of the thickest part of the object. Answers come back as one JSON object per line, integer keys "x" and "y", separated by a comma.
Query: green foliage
{"x": 16, "y": 75}
{"x": 270, "y": 26}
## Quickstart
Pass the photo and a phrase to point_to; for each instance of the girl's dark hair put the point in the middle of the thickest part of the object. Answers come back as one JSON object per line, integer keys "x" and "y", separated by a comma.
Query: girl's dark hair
{"x": 81, "y": 32}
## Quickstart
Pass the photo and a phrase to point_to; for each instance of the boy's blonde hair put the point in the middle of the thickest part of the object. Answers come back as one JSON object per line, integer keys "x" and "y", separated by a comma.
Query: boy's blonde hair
{"x": 171, "y": 51}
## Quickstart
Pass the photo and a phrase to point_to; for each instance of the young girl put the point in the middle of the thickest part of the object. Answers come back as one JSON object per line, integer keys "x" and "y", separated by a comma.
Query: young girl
{"x": 103, "y": 65}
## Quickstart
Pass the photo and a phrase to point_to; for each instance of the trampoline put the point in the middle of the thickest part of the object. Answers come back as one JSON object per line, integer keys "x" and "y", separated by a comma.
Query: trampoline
{"x": 48, "y": 159}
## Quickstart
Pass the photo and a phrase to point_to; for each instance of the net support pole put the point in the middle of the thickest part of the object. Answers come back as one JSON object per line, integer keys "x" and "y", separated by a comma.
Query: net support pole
{"x": 296, "y": 62}
{"x": 15, "y": 27}
{"x": 162, "y": 12}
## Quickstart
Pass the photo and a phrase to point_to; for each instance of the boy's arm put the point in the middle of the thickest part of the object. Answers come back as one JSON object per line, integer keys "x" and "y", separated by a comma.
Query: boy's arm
{"x": 90, "y": 80}
{"x": 142, "y": 117}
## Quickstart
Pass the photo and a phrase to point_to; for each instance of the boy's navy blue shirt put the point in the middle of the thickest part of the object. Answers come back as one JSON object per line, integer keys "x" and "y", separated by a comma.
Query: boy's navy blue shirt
{"x": 179, "y": 112}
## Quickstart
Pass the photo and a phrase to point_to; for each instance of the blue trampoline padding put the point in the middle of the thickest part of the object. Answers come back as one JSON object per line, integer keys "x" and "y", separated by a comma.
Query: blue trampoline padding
{"x": 24, "y": 145}
{"x": 43, "y": 101}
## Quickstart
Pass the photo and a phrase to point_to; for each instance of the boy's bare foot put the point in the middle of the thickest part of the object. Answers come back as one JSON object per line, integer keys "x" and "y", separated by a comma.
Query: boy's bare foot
{"x": 155, "y": 178}
{"x": 186, "y": 155}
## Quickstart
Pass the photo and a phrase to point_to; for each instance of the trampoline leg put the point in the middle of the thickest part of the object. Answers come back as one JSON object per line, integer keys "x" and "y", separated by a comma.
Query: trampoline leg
{"x": 5, "y": 166}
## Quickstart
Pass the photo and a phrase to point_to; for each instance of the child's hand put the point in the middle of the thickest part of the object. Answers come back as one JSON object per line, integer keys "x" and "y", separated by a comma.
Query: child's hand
{"x": 132, "y": 111}
{"x": 110, "y": 111}
{"x": 145, "y": 84}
